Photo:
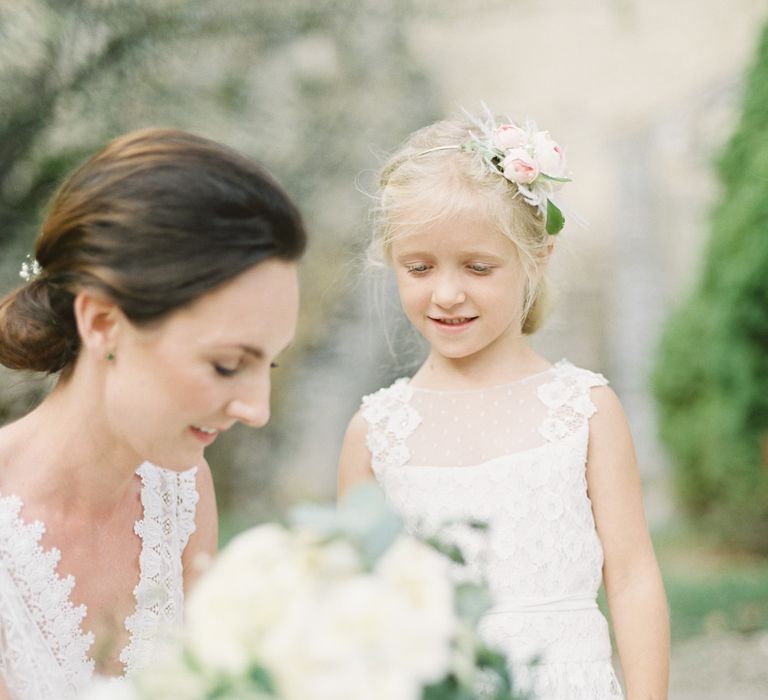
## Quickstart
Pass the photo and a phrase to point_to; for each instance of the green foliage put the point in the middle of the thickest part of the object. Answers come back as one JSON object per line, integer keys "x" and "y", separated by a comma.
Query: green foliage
{"x": 711, "y": 375}
{"x": 735, "y": 600}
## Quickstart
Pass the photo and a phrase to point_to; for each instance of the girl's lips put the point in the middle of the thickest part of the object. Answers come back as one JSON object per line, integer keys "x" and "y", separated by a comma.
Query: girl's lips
{"x": 453, "y": 324}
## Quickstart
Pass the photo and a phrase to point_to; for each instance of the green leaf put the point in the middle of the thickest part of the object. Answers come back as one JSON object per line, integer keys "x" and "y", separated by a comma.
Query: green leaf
{"x": 555, "y": 179}
{"x": 363, "y": 518}
{"x": 448, "y": 549}
{"x": 555, "y": 219}
{"x": 472, "y": 601}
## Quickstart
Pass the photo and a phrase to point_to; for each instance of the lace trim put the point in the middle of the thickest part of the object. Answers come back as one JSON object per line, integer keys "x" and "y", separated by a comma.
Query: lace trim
{"x": 186, "y": 505}
{"x": 169, "y": 500}
{"x": 568, "y": 399}
{"x": 152, "y": 591}
{"x": 391, "y": 421}
{"x": 569, "y": 681}
{"x": 45, "y": 593}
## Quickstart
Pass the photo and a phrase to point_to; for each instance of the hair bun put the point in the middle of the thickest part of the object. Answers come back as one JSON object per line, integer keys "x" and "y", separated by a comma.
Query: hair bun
{"x": 37, "y": 334}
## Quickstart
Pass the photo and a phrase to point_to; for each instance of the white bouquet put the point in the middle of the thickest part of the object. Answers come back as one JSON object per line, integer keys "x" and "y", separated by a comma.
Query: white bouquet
{"x": 341, "y": 605}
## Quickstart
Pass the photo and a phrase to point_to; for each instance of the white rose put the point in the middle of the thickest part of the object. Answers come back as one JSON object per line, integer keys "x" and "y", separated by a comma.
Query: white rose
{"x": 519, "y": 167}
{"x": 549, "y": 156}
{"x": 242, "y": 595}
{"x": 110, "y": 689}
{"x": 422, "y": 576}
{"x": 507, "y": 136}
{"x": 343, "y": 644}
{"x": 329, "y": 561}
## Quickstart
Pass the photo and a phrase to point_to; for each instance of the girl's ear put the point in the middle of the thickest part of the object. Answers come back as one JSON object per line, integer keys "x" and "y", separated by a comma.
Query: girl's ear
{"x": 97, "y": 321}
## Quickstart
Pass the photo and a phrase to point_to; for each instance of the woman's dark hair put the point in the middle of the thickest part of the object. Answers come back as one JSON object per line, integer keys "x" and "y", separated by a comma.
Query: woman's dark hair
{"x": 155, "y": 220}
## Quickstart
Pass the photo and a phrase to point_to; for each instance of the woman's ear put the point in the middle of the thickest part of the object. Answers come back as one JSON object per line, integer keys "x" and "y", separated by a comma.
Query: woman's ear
{"x": 97, "y": 320}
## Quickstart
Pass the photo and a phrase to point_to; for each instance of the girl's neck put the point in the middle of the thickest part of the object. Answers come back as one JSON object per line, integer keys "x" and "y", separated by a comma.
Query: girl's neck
{"x": 494, "y": 366}
{"x": 64, "y": 455}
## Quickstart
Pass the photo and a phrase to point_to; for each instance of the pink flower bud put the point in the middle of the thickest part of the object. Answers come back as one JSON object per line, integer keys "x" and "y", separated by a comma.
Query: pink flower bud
{"x": 519, "y": 167}
{"x": 507, "y": 136}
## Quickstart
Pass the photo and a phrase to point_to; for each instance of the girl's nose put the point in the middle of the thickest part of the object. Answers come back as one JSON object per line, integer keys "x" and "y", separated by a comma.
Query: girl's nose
{"x": 447, "y": 292}
{"x": 252, "y": 410}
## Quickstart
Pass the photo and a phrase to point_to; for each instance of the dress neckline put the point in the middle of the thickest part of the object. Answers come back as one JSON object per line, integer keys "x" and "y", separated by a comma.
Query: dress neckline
{"x": 491, "y": 387}
{"x": 57, "y": 617}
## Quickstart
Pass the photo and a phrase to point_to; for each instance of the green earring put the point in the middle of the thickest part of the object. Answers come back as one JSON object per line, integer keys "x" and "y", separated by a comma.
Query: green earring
{"x": 110, "y": 356}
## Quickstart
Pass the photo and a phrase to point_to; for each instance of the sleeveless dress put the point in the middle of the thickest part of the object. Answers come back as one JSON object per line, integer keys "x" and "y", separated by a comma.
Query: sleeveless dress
{"x": 43, "y": 649}
{"x": 512, "y": 456}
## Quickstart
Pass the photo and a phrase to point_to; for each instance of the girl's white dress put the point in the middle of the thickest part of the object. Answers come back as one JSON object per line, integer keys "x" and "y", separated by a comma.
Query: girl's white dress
{"x": 512, "y": 456}
{"x": 44, "y": 653}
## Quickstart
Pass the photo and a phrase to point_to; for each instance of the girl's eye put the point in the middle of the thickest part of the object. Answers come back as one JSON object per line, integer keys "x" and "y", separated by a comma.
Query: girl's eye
{"x": 417, "y": 268}
{"x": 480, "y": 268}
{"x": 225, "y": 371}
{"x": 273, "y": 365}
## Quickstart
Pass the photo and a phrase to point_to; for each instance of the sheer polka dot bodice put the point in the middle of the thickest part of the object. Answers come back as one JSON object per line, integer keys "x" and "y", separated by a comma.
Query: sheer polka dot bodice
{"x": 44, "y": 653}
{"x": 512, "y": 456}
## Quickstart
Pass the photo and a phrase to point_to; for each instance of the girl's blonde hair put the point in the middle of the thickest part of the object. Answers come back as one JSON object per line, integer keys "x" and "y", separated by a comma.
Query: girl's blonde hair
{"x": 419, "y": 186}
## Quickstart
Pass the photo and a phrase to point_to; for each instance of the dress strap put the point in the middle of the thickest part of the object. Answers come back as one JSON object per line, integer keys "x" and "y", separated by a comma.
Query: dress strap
{"x": 33, "y": 589}
{"x": 169, "y": 499}
{"x": 186, "y": 505}
{"x": 568, "y": 399}
{"x": 391, "y": 420}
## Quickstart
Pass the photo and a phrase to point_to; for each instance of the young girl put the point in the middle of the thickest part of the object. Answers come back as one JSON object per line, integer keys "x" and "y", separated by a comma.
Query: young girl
{"x": 488, "y": 429}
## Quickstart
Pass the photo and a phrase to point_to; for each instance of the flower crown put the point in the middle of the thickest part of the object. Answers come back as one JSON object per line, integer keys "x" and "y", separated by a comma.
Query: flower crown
{"x": 526, "y": 157}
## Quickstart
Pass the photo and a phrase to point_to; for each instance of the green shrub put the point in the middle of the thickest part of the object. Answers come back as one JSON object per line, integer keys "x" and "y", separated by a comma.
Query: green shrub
{"x": 711, "y": 373}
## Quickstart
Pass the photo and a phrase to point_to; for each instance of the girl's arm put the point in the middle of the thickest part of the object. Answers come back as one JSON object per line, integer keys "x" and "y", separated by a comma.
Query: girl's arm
{"x": 204, "y": 540}
{"x": 355, "y": 460}
{"x": 631, "y": 575}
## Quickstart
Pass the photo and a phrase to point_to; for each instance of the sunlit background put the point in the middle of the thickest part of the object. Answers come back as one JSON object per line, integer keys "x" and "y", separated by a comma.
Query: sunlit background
{"x": 644, "y": 94}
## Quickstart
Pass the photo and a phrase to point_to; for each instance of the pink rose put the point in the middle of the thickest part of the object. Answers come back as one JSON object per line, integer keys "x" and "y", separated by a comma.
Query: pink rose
{"x": 507, "y": 136}
{"x": 519, "y": 167}
{"x": 549, "y": 155}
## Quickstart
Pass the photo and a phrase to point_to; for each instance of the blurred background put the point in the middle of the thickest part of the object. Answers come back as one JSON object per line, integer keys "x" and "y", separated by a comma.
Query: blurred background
{"x": 663, "y": 108}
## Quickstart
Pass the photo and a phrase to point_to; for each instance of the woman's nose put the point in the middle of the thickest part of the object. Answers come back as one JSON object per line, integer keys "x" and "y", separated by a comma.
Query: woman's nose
{"x": 447, "y": 291}
{"x": 252, "y": 410}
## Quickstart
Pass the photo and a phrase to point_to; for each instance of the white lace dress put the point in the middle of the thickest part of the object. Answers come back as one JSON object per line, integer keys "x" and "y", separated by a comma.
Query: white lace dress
{"x": 514, "y": 457}
{"x": 44, "y": 653}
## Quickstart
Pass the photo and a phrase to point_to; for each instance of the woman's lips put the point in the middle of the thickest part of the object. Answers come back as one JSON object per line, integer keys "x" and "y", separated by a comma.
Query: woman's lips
{"x": 204, "y": 434}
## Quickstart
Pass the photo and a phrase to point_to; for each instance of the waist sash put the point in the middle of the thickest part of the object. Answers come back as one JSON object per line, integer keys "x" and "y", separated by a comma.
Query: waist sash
{"x": 542, "y": 604}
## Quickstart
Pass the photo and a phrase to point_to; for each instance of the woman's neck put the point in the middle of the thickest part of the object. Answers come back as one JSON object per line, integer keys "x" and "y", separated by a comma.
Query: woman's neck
{"x": 63, "y": 454}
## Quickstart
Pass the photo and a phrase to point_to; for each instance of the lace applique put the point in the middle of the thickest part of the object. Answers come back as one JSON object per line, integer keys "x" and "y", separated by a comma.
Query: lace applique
{"x": 391, "y": 420}
{"x": 44, "y": 592}
{"x": 567, "y": 398}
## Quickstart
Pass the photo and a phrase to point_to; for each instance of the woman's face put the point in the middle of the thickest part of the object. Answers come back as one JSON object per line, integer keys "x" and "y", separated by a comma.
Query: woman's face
{"x": 172, "y": 388}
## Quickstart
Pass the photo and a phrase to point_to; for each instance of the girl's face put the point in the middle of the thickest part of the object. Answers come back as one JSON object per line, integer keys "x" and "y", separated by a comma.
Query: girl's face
{"x": 172, "y": 388}
{"x": 461, "y": 285}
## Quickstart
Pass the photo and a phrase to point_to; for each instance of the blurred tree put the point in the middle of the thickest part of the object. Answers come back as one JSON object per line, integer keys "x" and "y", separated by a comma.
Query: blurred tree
{"x": 305, "y": 86}
{"x": 711, "y": 376}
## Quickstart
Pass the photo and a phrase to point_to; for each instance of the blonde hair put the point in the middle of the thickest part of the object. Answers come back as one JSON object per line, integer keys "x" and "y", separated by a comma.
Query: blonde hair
{"x": 428, "y": 178}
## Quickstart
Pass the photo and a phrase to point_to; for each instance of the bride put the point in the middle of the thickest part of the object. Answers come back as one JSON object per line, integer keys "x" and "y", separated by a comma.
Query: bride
{"x": 163, "y": 288}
